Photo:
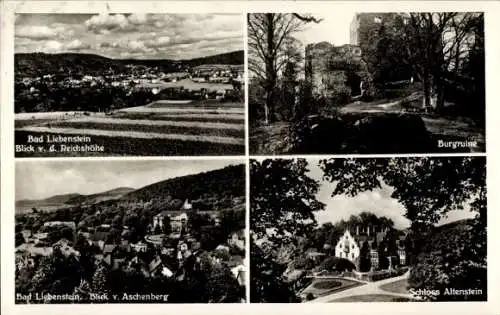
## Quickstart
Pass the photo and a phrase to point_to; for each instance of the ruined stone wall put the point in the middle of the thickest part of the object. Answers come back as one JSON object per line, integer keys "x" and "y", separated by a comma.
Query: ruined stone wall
{"x": 328, "y": 68}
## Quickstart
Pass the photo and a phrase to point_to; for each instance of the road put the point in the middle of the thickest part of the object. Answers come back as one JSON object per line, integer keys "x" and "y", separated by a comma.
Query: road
{"x": 369, "y": 288}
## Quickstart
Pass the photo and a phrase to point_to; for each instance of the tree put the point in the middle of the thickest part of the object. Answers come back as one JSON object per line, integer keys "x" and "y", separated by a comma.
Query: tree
{"x": 428, "y": 188}
{"x": 56, "y": 274}
{"x": 437, "y": 44}
{"x": 282, "y": 198}
{"x": 19, "y": 239}
{"x": 383, "y": 49}
{"x": 282, "y": 203}
{"x": 99, "y": 280}
{"x": 268, "y": 34}
{"x": 222, "y": 287}
{"x": 267, "y": 284}
{"x": 364, "y": 258}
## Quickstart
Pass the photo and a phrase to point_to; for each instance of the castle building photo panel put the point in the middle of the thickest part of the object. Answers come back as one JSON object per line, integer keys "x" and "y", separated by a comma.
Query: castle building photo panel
{"x": 129, "y": 84}
{"x": 400, "y": 229}
{"x": 350, "y": 82}
{"x": 130, "y": 231}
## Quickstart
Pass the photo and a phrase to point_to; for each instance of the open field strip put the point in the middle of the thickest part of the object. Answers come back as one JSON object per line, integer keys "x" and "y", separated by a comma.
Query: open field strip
{"x": 146, "y": 122}
{"x": 185, "y": 110}
{"x": 136, "y": 134}
{"x": 189, "y": 84}
{"x": 45, "y": 115}
{"x": 165, "y": 129}
{"x": 188, "y": 117}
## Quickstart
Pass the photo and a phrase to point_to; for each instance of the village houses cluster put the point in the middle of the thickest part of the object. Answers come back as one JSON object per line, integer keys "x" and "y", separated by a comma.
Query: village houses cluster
{"x": 166, "y": 253}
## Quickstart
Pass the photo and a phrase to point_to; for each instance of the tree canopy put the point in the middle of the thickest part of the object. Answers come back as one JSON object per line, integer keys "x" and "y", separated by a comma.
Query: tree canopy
{"x": 429, "y": 188}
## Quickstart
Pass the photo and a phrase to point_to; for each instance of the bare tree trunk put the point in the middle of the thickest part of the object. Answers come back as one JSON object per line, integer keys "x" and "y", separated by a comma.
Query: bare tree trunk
{"x": 427, "y": 89}
{"x": 270, "y": 69}
{"x": 266, "y": 113}
{"x": 439, "y": 94}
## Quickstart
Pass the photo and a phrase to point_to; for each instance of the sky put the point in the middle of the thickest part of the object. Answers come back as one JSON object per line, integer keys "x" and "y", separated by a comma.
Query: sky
{"x": 42, "y": 179}
{"x": 139, "y": 36}
{"x": 334, "y": 28}
{"x": 377, "y": 201}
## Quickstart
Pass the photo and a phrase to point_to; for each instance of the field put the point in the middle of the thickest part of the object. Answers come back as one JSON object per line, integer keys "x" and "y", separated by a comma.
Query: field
{"x": 187, "y": 84}
{"x": 160, "y": 128}
{"x": 322, "y": 287}
{"x": 400, "y": 286}
{"x": 373, "y": 298}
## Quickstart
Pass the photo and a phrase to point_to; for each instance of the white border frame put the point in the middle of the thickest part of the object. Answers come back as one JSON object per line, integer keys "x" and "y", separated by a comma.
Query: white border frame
{"x": 8, "y": 8}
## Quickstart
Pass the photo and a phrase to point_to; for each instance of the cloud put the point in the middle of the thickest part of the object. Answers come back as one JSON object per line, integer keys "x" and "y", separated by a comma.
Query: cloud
{"x": 55, "y": 46}
{"x": 49, "y": 178}
{"x": 126, "y": 48}
{"x": 104, "y": 23}
{"x": 169, "y": 36}
{"x": 137, "y": 46}
{"x": 138, "y": 18}
{"x": 77, "y": 45}
{"x": 38, "y": 32}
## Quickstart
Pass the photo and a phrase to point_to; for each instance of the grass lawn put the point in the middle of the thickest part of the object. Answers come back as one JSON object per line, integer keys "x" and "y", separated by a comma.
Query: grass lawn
{"x": 321, "y": 287}
{"x": 154, "y": 128}
{"x": 372, "y": 298}
{"x": 271, "y": 139}
{"x": 327, "y": 284}
{"x": 120, "y": 146}
{"x": 400, "y": 286}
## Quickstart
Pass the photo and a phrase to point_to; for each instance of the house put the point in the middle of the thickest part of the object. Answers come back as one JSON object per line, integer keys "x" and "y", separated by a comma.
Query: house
{"x": 140, "y": 247}
{"x": 239, "y": 272}
{"x": 237, "y": 239}
{"x": 177, "y": 223}
{"x": 315, "y": 255}
{"x": 139, "y": 265}
{"x": 100, "y": 235}
{"x": 40, "y": 237}
{"x": 108, "y": 249}
{"x": 157, "y": 267}
{"x": 350, "y": 244}
{"x": 66, "y": 249}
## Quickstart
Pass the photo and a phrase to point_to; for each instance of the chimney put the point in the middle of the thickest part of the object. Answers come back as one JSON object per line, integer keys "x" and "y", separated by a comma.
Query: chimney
{"x": 357, "y": 230}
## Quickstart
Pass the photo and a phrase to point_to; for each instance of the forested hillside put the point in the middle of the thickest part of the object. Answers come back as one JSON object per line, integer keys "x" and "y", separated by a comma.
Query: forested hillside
{"x": 214, "y": 189}
{"x": 39, "y": 64}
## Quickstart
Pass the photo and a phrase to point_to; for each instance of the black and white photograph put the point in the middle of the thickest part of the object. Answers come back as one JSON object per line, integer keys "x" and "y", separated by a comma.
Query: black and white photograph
{"x": 129, "y": 84}
{"x": 400, "y": 229}
{"x": 346, "y": 82}
{"x": 130, "y": 232}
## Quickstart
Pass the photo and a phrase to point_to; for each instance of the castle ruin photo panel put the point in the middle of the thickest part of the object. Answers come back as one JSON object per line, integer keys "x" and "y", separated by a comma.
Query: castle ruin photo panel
{"x": 130, "y": 232}
{"x": 349, "y": 82}
{"x": 401, "y": 229}
{"x": 129, "y": 84}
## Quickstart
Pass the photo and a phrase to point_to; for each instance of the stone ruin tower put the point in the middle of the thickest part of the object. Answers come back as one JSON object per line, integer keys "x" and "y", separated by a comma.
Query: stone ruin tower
{"x": 334, "y": 71}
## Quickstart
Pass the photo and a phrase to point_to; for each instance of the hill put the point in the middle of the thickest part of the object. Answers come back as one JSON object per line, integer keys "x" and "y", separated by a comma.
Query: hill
{"x": 74, "y": 198}
{"x": 51, "y": 201}
{"x": 95, "y": 198}
{"x": 217, "y": 189}
{"x": 214, "y": 190}
{"x": 232, "y": 58}
{"x": 39, "y": 64}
